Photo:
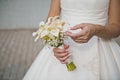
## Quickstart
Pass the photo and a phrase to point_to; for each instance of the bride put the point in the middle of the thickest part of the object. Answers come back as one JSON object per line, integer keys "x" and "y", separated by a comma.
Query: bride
{"x": 95, "y": 53}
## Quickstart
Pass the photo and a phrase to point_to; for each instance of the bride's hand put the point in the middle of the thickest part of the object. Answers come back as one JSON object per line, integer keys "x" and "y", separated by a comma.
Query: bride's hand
{"x": 87, "y": 31}
{"x": 62, "y": 54}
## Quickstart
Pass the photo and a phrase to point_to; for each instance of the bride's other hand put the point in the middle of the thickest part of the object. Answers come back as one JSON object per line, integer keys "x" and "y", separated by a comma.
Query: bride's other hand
{"x": 62, "y": 54}
{"x": 87, "y": 31}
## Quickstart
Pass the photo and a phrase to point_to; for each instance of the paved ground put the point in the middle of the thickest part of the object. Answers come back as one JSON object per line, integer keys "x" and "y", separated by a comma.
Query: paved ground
{"x": 17, "y": 52}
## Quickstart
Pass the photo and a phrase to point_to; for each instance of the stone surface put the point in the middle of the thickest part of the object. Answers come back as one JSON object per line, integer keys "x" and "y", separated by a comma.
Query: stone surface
{"x": 17, "y": 52}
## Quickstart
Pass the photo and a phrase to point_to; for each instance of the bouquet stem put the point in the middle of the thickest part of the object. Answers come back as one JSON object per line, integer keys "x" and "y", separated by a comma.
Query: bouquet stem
{"x": 71, "y": 66}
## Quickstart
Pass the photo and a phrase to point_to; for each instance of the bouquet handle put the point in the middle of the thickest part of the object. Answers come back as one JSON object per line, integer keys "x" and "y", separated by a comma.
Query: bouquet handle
{"x": 70, "y": 65}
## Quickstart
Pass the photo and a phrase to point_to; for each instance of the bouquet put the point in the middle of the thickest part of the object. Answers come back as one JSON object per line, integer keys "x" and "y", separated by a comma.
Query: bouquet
{"x": 52, "y": 33}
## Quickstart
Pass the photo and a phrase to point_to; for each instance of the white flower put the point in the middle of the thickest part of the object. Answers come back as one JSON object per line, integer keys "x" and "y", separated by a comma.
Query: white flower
{"x": 60, "y": 27}
{"x": 47, "y": 27}
{"x": 34, "y": 33}
{"x": 55, "y": 32}
{"x": 51, "y": 36}
{"x": 36, "y": 38}
{"x": 40, "y": 31}
{"x": 49, "y": 20}
{"x": 41, "y": 24}
{"x": 44, "y": 33}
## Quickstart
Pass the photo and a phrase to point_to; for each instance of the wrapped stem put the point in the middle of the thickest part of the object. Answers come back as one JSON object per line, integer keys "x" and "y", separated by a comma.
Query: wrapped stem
{"x": 70, "y": 65}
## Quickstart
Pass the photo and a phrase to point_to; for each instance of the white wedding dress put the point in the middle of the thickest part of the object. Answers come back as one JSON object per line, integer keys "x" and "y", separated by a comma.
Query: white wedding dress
{"x": 98, "y": 59}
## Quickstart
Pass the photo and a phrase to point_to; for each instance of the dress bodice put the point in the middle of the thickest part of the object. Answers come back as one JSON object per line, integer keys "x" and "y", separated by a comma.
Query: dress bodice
{"x": 90, "y": 11}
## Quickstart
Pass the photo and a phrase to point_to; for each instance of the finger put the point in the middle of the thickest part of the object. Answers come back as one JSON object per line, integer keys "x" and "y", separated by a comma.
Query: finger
{"x": 83, "y": 38}
{"x": 66, "y": 46}
{"x": 57, "y": 50}
{"x": 81, "y": 41}
{"x": 61, "y": 55}
{"x": 64, "y": 58}
{"x": 76, "y": 35}
{"x": 64, "y": 62}
{"x": 83, "y": 32}
{"x": 80, "y": 26}
{"x": 73, "y": 35}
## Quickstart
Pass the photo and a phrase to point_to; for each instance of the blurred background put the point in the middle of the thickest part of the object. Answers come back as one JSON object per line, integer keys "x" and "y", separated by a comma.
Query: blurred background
{"x": 18, "y": 19}
{"x": 17, "y": 14}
